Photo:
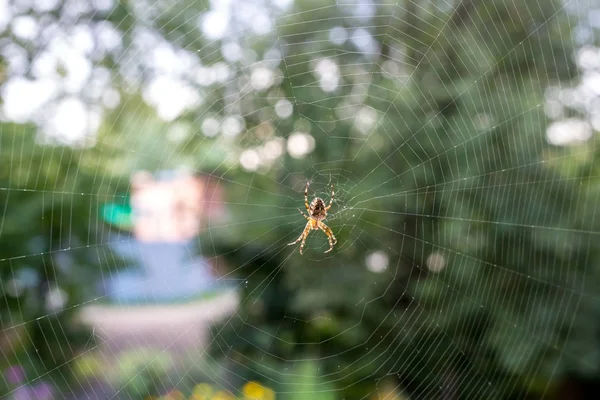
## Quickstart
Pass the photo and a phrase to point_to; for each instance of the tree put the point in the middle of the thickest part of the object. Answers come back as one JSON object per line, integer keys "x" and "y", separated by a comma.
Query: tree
{"x": 493, "y": 229}
{"x": 431, "y": 120}
{"x": 52, "y": 250}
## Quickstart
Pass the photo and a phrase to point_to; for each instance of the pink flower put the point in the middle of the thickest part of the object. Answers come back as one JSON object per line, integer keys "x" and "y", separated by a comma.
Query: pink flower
{"x": 42, "y": 391}
{"x": 14, "y": 374}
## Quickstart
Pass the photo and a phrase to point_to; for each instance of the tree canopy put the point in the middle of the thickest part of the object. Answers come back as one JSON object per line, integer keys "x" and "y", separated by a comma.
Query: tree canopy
{"x": 466, "y": 264}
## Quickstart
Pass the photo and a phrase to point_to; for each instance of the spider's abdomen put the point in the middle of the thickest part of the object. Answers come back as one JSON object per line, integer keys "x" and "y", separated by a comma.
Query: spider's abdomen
{"x": 317, "y": 209}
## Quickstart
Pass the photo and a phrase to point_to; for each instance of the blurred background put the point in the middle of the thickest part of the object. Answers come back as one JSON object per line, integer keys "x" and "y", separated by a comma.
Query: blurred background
{"x": 153, "y": 155}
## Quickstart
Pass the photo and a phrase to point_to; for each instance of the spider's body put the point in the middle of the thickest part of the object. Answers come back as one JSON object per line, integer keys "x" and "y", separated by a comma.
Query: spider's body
{"x": 317, "y": 212}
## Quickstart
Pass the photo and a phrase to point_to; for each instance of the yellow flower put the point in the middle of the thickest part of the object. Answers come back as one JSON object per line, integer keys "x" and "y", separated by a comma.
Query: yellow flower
{"x": 255, "y": 391}
{"x": 269, "y": 394}
{"x": 222, "y": 395}
{"x": 202, "y": 391}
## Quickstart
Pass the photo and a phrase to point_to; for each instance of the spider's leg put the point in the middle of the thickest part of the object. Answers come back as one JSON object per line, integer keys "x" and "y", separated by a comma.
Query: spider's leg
{"x": 330, "y": 235}
{"x": 304, "y": 215}
{"x": 330, "y": 200}
{"x": 304, "y": 232}
{"x": 302, "y": 237}
{"x": 306, "y": 197}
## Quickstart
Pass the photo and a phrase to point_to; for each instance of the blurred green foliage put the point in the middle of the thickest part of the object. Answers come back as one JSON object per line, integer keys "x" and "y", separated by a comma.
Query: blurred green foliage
{"x": 456, "y": 166}
{"x": 510, "y": 216}
{"x": 52, "y": 251}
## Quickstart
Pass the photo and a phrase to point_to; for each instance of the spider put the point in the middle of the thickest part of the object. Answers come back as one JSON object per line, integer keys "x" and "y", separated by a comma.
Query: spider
{"x": 317, "y": 212}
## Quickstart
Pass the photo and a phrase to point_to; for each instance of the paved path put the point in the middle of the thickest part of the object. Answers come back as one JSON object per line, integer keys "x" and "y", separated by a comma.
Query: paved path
{"x": 180, "y": 330}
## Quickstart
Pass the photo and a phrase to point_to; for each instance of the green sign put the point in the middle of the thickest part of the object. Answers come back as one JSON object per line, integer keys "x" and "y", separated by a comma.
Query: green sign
{"x": 119, "y": 215}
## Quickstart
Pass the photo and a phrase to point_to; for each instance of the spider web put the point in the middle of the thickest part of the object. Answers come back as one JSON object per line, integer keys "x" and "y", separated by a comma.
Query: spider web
{"x": 465, "y": 224}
